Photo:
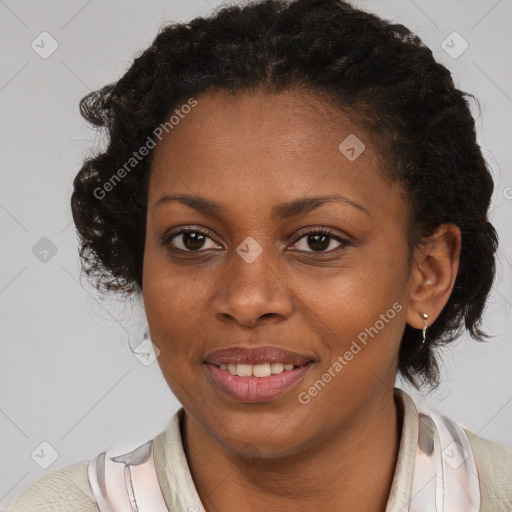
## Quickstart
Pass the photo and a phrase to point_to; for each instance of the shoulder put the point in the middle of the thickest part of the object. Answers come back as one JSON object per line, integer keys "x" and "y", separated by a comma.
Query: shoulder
{"x": 61, "y": 491}
{"x": 494, "y": 465}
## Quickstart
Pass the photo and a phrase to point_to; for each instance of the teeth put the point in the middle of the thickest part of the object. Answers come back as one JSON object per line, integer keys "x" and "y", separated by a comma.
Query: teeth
{"x": 276, "y": 367}
{"x": 256, "y": 370}
{"x": 261, "y": 370}
{"x": 244, "y": 370}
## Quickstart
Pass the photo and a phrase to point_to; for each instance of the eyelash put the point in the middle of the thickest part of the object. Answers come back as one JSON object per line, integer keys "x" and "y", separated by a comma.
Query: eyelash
{"x": 166, "y": 241}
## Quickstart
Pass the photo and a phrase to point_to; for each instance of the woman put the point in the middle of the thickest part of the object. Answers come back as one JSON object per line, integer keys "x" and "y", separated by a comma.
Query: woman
{"x": 296, "y": 190}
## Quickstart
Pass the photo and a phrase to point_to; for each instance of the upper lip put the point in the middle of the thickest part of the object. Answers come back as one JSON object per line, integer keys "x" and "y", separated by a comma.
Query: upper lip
{"x": 256, "y": 355}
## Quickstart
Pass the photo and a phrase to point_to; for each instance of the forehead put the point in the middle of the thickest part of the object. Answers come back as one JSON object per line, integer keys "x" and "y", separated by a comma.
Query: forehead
{"x": 253, "y": 119}
{"x": 256, "y": 146}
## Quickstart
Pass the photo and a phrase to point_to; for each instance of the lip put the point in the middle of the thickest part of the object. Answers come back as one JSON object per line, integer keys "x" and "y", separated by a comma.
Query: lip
{"x": 257, "y": 355}
{"x": 257, "y": 389}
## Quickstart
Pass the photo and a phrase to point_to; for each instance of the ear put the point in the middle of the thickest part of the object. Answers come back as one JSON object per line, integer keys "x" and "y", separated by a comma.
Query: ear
{"x": 434, "y": 269}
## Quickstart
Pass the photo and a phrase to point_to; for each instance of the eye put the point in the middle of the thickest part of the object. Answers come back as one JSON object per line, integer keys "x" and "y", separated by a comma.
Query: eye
{"x": 196, "y": 240}
{"x": 320, "y": 239}
{"x": 188, "y": 240}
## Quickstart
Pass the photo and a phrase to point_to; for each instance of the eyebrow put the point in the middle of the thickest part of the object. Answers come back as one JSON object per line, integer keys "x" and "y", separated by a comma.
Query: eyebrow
{"x": 283, "y": 211}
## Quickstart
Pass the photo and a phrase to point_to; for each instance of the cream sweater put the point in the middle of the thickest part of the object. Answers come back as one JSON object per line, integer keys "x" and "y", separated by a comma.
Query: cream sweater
{"x": 68, "y": 490}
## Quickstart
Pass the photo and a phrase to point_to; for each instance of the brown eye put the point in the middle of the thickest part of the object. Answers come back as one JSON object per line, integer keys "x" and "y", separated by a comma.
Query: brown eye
{"x": 189, "y": 240}
{"x": 320, "y": 240}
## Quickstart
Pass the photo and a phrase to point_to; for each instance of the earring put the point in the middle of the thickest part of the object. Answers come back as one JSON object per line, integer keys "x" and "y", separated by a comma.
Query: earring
{"x": 425, "y": 316}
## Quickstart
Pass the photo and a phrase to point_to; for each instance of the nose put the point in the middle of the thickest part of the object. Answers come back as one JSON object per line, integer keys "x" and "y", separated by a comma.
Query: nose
{"x": 251, "y": 291}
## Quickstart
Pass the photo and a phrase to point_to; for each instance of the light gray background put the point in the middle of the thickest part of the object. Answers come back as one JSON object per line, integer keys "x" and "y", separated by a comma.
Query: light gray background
{"x": 67, "y": 375}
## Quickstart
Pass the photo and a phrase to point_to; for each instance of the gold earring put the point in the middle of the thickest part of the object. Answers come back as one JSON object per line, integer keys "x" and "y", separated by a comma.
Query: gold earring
{"x": 425, "y": 316}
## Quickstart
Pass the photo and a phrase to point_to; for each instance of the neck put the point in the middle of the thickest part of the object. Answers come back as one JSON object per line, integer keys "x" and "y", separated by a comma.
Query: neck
{"x": 349, "y": 469}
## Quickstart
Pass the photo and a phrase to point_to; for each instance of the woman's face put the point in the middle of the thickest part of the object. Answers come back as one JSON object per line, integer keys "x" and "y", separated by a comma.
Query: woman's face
{"x": 256, "y": 273}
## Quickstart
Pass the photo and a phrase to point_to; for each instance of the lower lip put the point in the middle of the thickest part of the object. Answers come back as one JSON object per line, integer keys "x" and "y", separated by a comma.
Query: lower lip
{"x": 257, "y": 389}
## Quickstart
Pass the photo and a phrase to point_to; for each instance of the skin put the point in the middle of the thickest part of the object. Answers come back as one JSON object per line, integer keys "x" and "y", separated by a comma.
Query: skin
{"x": 251, "y": 152}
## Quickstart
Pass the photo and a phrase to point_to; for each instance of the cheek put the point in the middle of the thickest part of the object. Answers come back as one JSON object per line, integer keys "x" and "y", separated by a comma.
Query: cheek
{"x": 170, "y": 293}
{"x": 169, "y": 306}
{"x": 170, "y": 313}
{"x": 363, "y": 314}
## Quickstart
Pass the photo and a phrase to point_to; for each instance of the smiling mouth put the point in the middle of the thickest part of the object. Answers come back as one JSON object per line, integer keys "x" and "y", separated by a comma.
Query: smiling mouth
{"x": 258, "y": 373}
{"x": 256, "y": 383}
{"x": 258, "y": 370}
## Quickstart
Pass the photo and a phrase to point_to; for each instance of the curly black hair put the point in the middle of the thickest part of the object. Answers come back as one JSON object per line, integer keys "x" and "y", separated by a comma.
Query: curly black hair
{"x": 376, "y": 71}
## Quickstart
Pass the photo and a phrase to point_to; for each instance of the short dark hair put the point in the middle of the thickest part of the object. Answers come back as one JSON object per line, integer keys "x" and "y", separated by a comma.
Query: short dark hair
{"x": 376, "y": 71}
